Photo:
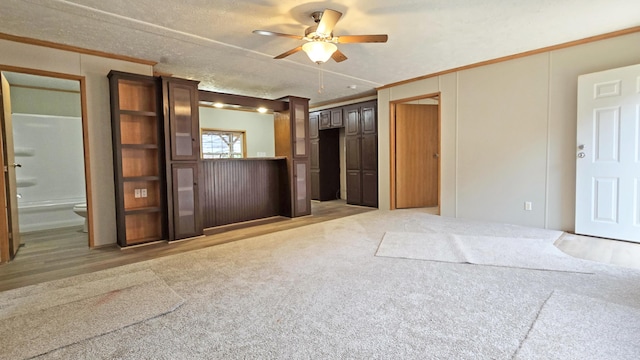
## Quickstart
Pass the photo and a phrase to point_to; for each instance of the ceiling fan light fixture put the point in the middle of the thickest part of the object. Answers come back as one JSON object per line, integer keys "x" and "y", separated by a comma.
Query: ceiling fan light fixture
{"x": 319, "y": 51}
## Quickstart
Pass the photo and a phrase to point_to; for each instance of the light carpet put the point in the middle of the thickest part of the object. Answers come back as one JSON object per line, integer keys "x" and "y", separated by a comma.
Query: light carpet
{"x": 525, "y": 253}
{"x": 41, "y": 318}
{"x": 572, "y": 326}
{"x": 318, "y": 292}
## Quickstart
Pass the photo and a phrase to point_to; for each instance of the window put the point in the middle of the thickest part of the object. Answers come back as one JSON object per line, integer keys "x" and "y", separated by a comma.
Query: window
{"x": 222, "y": 144}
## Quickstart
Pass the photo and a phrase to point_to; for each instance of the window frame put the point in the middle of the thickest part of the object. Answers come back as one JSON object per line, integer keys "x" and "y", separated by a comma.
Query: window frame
{"x": 204, "y": 131}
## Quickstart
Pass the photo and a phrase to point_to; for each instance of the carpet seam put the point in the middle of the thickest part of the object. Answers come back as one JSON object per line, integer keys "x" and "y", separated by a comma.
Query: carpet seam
{"x": 487, "y": 265}
{"x": 93, "y": 296}
{"x": 533, "y": 323}
{"x": 109, "y": 332}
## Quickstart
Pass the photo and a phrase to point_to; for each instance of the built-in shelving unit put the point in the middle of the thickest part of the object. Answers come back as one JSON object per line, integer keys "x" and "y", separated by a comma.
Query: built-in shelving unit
{"x": 138, "y": 154}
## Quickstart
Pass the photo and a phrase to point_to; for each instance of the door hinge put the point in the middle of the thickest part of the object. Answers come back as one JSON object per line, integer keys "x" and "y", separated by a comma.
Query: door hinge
{"x": 6, "y": 169}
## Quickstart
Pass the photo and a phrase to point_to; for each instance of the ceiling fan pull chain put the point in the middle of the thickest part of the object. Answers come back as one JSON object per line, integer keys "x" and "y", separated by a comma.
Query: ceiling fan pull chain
{"x": 320, "y": 79}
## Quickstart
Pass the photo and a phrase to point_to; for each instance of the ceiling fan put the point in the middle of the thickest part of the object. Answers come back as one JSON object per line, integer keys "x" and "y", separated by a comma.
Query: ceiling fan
{"x": 321, "y": 44}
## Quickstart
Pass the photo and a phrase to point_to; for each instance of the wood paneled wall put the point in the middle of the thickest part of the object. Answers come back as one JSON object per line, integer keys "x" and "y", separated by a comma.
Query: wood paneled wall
{"x": 240, "y": 190}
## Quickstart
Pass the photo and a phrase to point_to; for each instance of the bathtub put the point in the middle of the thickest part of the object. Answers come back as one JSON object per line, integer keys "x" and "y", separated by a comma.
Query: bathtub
{"x": 48, "y": 214}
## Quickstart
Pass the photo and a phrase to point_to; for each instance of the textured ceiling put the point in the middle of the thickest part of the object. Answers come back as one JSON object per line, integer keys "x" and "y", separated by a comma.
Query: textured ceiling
{"x": 211, "y": 41}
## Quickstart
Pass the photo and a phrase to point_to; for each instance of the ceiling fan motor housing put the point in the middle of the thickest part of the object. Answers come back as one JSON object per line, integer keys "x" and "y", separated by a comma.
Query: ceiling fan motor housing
{"x": 310, "y": 33}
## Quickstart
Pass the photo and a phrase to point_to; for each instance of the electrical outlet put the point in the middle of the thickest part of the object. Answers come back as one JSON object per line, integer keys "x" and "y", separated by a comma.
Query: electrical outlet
{"x": 528, "y": 205}
{"x": 143, "y": 193}
{"x": 136, "y": 193}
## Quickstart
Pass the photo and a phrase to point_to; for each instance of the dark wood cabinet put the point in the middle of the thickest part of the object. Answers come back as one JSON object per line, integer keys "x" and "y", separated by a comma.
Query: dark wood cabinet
{"x": 352, "y": 120}
{"x": 182, "y": 141}
{"x": 325, "y": 120}
{"x": 336, "y": 118}
{"x": 186, "y": 209}
{"x": 314, "y": 119}
{"x": 361, "y": 130}
{"x": 369, "y": 188}
{"x": 330, "y": 119}
{"x": 138, "y": 158}
{"x": 301, "y": 187}
{"x": 353, "y": 161}
{"x": 361, "y": 143}
{"x": 315, "y": 184}
{"x": 292, "y": 134}
{"x": 368, "y": 119}
{"x": 315, "y": 154}
{"x": 181, "y": 108}
{"x": 354, "y": 189}
{"x": 369, "y": 152}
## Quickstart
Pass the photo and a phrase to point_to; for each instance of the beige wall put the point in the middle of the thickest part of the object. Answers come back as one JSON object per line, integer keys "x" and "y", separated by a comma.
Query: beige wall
{"x": 45, "y": 102}
{"x": 508, "y": 133}
{"x": 95, "y": 70}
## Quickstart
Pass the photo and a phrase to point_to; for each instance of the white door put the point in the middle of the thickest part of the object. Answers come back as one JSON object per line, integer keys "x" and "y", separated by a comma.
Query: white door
{"x": 608, "y": 154}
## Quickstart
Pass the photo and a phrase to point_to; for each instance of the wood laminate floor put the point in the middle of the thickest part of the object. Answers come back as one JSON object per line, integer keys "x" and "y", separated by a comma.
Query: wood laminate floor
{"x": 56, "y": 254}
{"x": 50, "y": 255}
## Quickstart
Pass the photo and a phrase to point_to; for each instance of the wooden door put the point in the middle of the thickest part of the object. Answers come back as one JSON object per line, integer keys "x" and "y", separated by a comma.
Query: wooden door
{"x": 10, "y": 236}
{"x": 417, "y": 155}
{"x": 608, "y": 154}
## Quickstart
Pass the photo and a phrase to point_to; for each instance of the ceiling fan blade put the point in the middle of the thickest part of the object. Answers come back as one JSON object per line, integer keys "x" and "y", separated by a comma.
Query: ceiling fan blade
{"x": 285, "y": 54}
{"x": 271, "y": 33}
{"x": 328, "y": 21}
{"x": 349, "y": 39}
{"x": 338, "y": 56}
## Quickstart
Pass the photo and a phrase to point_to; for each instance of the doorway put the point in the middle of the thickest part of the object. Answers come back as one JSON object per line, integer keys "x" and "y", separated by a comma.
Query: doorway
{"x": 415, "y": 146}
{"x": 45, "y": 155}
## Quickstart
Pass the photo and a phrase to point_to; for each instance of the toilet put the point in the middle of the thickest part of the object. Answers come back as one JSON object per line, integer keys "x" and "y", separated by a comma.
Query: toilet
{"x": 81, "y": 210}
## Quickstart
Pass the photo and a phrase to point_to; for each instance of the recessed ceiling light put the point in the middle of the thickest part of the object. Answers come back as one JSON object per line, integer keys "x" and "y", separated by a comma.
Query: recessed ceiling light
{"x": 352, "y": 87}
{"x": 218, "y": 105}
{"x": 262, "y": 110}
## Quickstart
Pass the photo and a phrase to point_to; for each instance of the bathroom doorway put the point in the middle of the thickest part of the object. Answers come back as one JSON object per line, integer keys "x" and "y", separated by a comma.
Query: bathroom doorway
{"x": 44, "y": 148}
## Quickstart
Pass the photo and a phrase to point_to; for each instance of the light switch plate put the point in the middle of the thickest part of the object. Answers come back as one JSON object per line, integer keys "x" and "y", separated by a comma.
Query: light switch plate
{"x": 136, "y": 193}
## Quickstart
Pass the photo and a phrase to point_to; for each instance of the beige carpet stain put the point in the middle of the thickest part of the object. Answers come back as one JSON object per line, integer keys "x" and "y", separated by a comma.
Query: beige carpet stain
{"x": 38, "y": 320}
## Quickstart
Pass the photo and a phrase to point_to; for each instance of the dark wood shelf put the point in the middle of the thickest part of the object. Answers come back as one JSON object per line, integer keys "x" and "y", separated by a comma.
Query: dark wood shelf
{"x": 138, "y": 157}
{"x": 143, "y": 210}
{"x": 138, "y": 113}
{"x": 139, "y": 146}
{"x": 141, "y": 178}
